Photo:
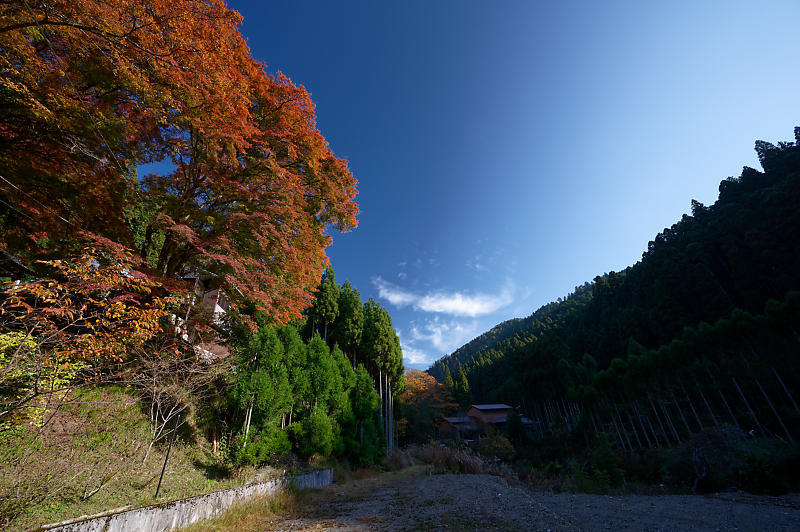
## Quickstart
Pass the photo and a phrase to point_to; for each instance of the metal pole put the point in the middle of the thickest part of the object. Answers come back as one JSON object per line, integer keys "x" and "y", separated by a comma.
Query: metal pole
{"x": 174, "y": 430}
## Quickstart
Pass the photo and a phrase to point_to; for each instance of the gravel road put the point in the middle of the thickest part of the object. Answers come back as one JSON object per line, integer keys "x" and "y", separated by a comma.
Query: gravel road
{"x": 413, "y": 500}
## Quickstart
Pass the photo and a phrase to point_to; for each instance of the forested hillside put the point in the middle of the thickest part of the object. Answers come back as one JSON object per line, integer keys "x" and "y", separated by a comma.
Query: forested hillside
{"x": 709, "y": 317}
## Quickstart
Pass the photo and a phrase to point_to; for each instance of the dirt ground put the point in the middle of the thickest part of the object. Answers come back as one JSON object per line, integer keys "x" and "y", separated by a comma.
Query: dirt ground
{"x": 414, "y": 500}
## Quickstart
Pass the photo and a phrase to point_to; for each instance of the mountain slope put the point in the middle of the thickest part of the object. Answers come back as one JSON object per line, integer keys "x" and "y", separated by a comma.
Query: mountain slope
{"x": 722, "y": 261}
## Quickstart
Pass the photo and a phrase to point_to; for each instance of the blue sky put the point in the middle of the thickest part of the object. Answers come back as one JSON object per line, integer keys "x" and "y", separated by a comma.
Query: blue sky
{"x": 509, "y": 151}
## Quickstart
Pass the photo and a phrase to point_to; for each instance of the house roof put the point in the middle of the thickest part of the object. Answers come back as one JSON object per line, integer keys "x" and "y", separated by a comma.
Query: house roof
{"x": 499, "y": 406}
{"x": 458, "y": 419}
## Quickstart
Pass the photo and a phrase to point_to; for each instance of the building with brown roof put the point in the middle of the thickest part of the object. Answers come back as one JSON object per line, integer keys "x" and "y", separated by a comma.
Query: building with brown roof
{"x": 477, "y": 420}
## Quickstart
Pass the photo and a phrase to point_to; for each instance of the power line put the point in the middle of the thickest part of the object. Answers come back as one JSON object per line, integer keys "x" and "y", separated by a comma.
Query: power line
{"x": 75, "y": 89}
{"x": 94, "y": 123}
{"x": 28, "y": 216}
{"x": 37, "y": 201}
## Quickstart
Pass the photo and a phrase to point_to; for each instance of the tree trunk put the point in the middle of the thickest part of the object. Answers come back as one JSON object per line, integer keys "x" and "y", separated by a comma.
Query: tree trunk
{"x": 247, "y": 423}
{"x": 669, "y": 420}
{"x": 387, "y": 427}
{"x": 548, "y": 415}
{"x": 649, "y": 424}
{"x": 163, "y": 255}
{"x": 619, "y": 433}
{"x": 148, "y": 237}
{"x": 641, "y": 424}
{"x": 747, "y": 404}
{"x": 774, "y": 411}
{"x": 680, "y": 413}
{"x": 708, "y": 406}
{"x": 635, "y": 432}
{"x": 691, "y": 405}
{"x": 594, "y": 423}
{"x": 660, "y": 424}
{"x": 624, "y": 430}
{"x": 728, "y": 408}
{"x": 785, "y": 389}
{"x": 388, "y": 414}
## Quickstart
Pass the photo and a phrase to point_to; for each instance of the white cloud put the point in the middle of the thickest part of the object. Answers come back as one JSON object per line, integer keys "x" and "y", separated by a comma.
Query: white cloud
{"x": 413, "y": 355}
{"x": 454, "y": 303}
{"x": 445, "y": 336}
{"x": 402, "y": 276}
{"x": 459, "y": 304}
{"x": 393, "y": 294}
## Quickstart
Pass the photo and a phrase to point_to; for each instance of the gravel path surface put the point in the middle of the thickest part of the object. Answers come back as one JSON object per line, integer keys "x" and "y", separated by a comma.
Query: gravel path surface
{"x": 416, "y": 501}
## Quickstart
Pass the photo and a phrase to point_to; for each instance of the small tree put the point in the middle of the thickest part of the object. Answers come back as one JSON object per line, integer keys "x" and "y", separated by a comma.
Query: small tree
{"x": 326, "y": 307}
{"x": 262, "y": 384}
{"x": 462, "y": 391}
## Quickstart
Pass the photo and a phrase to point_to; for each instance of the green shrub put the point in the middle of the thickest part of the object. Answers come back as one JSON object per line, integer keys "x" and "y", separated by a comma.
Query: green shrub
{"x": 314, "y": 435}
{"x": 263, "y": 446}
{"x": 495, "y": 445}
{"x": 606, "y": 465}
{"x": 717, "y": 459}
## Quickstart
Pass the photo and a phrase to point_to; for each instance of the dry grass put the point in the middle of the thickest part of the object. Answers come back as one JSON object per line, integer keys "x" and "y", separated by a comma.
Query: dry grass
{"x": 254, "y": 515}
{"x": 399, "y": 460}
{"x": 451, "y": 460}
{"x": 97, "y": 441}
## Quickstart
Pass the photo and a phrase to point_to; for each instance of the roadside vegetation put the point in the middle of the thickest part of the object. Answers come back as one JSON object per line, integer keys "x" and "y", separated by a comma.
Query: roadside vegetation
{"x": 190, "y": 308}
{"x": 256, "y": 514}
{"x": 89, "y": 458}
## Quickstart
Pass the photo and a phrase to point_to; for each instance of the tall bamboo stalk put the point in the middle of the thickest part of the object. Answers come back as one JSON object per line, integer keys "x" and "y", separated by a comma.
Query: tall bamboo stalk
{"x": 680, "y": 413}
{"x": 774, "y": 411}
{"x": 624, "y": 431}
{"x": 649, "y": 424}
{"x": 729, "y": 409}
{"x": 669, "y": 419}
{"x": 641, "y": 424}
{"x": 658, "y": 419}
{"x": 708, "y": 406}
{"x": 749, "y": 408}
{"x": 635, "y": 432}
{"x": 594, "y": 423}
{"x": 691, "y": 405}
{"x": 785, "y": 389}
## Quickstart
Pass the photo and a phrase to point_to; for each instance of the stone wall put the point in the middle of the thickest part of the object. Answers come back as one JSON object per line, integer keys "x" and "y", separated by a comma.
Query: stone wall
{"x": 183, "y": 512}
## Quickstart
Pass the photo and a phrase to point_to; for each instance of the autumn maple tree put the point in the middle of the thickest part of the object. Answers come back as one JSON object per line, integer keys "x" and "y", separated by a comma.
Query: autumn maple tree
{"x": 423, "y": 404}
{"x": 91, "y": 90}
{"x": 89, "y": 317}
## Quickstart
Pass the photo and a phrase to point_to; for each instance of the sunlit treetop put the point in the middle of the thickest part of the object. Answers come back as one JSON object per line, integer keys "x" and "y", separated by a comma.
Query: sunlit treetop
{"x": 93, "y": 89}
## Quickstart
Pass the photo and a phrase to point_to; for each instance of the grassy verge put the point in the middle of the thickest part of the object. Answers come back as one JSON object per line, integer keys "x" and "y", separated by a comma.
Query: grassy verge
{"x": 253, "y": 515}
{"x": 89, "y": 459}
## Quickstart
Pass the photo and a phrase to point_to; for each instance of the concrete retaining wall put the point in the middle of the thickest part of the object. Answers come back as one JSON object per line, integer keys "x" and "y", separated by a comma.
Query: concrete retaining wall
{"x": 184, "y": 512}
